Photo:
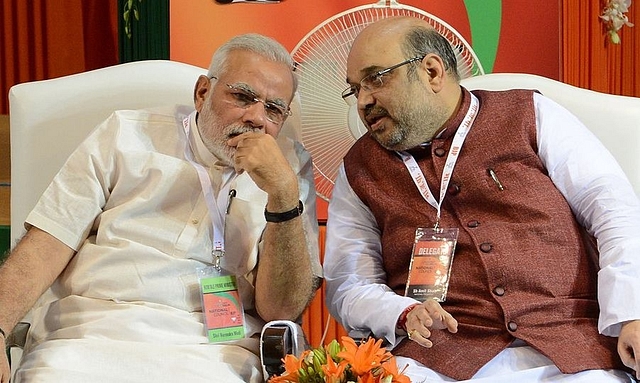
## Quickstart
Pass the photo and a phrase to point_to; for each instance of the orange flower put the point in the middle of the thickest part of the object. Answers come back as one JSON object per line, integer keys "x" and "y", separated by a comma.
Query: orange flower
{"x": 391, "y": 368}
{"x": 368, "y": 378}
{"x": 333, "y": 372}
{"x": 367, "y": 362}
{"x": 292, "y": 366}
{"x": 365, "y": 357}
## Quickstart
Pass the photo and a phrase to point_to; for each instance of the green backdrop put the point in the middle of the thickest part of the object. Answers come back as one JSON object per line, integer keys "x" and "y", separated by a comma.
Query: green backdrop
{"x": 149, "y": 38}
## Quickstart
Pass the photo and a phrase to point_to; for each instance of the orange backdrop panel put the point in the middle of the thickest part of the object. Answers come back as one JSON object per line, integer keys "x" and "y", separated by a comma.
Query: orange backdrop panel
{"x": 198, "y": 27}
{"x": 530, "y": 38}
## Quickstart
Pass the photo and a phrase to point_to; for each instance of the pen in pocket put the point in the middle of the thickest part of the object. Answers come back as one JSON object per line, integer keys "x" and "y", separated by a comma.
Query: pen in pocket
{"x": 232, "y": 193}
{"x": 495, "y": 179}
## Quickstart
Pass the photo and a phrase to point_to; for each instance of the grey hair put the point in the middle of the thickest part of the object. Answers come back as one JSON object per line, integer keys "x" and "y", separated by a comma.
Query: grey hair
{"x": 256, "y": 43}
{"x": 421, "y": 41}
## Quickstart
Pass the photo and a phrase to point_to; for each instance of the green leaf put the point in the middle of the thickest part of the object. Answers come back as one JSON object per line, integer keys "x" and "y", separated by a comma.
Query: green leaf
{"x": 334, "y": 348}
{"x": 615, "y": 38}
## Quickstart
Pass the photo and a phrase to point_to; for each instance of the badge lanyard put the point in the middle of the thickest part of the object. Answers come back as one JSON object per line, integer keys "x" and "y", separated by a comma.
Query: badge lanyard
{"x": 418, "y": 176}
{"x": 215, "y": 206}
{"x": 222, "y": 308}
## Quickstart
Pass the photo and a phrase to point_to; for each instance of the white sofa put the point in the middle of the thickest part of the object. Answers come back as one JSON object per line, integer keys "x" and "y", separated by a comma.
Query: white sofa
{"x": 615, "y": 120}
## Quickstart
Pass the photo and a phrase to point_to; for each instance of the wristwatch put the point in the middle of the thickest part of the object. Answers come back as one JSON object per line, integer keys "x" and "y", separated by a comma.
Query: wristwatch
{"x": 284, "y": 216}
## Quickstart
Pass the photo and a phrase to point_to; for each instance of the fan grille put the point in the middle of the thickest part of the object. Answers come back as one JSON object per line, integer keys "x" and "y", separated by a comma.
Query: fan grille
{"x": 321, "y": 57}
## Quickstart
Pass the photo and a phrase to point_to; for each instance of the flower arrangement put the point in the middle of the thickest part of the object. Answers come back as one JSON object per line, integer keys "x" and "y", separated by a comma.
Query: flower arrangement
{"x": 367, "y": 362}
{"x": 614, "y": 18}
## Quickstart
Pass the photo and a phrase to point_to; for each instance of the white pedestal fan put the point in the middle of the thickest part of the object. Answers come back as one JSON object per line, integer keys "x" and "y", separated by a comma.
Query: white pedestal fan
{"x": 329, "y": 125}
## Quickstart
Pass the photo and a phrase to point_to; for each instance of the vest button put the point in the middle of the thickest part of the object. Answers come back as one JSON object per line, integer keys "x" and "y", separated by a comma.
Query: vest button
{"x": 453, "y": 189}
{"x": 474, "y": 223}
{"x": 440, "y": 152}
{"x": 499, "y": 291}
{"x": 512, "y": 326}
{"x": 486, "y": 247}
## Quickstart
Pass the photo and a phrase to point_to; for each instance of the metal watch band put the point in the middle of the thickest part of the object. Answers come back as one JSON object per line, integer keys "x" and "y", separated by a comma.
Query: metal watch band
{"x": 284, "y": 216}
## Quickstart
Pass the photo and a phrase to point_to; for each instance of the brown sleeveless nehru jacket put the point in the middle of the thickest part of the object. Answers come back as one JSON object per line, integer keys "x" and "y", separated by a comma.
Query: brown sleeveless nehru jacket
{"x": 520, "y": 268}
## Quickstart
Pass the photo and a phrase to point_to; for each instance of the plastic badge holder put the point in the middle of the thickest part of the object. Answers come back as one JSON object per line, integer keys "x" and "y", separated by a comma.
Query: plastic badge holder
{"x": 221, "y": 305}
{"x": 430, "y": 268}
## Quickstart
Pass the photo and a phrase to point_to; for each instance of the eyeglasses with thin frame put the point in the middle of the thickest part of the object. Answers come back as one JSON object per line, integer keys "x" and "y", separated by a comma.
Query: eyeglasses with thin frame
{"x": 244, "y": 98}
{"x": 374, "y": 80}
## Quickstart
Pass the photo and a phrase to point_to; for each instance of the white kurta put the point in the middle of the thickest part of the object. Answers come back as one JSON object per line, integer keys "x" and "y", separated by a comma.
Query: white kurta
{"x": 127, "y": 307}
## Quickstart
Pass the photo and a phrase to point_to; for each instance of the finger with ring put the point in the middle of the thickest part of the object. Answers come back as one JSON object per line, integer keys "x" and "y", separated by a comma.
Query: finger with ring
{"x": 410, "y": 334}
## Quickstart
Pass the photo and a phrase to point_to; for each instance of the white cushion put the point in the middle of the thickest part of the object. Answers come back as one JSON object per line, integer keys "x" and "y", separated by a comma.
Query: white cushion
{"x": 50, "y": 118}
{"x": 615, "y": 120}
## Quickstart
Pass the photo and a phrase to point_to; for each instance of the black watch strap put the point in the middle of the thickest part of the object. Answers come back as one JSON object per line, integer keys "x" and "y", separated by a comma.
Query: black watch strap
{"x": 284, "y": 216}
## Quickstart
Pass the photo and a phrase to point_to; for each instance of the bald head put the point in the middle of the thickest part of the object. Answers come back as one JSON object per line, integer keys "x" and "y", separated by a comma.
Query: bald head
{"x": 404, "y": 76}
{"x": 408, "y": 36}
{"x": 391, "y": 28}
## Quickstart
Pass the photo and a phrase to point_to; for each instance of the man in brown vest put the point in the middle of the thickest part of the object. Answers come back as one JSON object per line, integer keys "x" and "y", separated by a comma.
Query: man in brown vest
{"x": 511, "y": 181}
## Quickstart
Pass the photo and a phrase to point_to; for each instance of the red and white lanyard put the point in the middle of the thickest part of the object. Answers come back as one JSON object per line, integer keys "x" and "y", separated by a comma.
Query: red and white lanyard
{"x": 216, "y": 206}
{"x": 418, "y": 176}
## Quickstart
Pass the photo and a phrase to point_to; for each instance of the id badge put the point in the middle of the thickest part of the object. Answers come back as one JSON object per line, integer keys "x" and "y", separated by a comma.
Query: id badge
{"x": 431, "y": 260}
{"x": 221, "y": 305}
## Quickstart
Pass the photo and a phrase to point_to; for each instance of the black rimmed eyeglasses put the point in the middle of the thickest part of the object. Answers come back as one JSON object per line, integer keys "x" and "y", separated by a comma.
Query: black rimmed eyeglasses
{"x": 244, "y": 98}
{"x": 374, "y": 80}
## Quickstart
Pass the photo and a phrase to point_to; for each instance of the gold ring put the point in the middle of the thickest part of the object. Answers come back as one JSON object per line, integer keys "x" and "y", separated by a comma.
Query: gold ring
{"x": 410, "y": 334}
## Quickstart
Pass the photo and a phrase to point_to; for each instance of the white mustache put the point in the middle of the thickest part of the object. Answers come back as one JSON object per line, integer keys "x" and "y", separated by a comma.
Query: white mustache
{"x": 238, "y": 130}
